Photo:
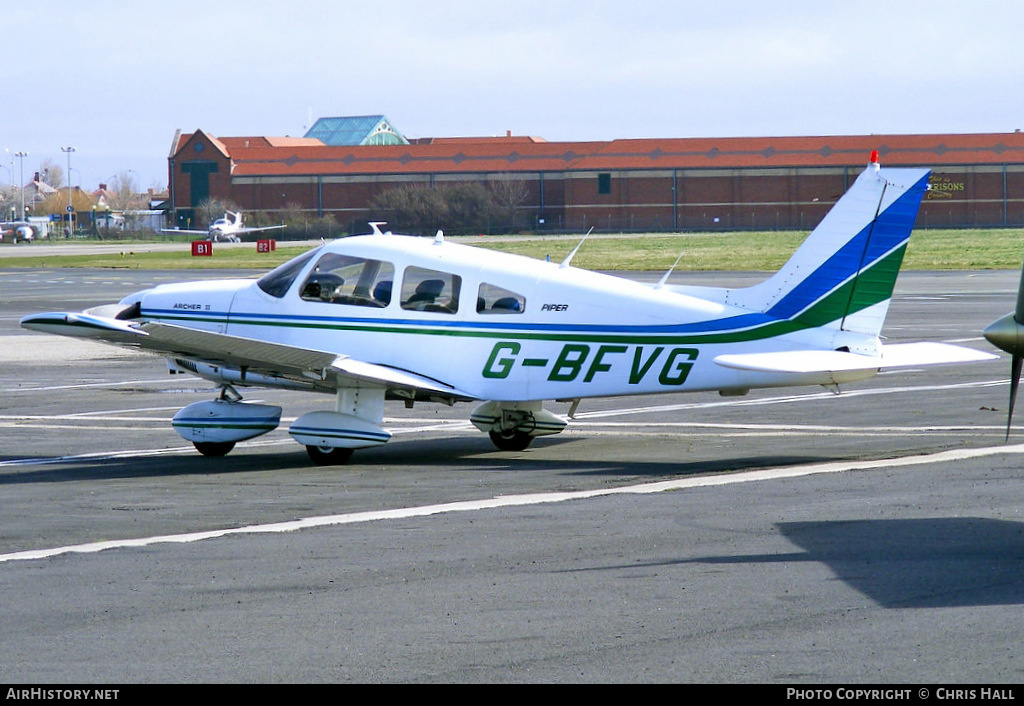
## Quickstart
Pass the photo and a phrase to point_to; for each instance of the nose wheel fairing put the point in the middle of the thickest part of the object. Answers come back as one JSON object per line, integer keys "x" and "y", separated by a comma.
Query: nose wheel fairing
{"x": 512, "y": 426}
{"x": 355, "y": 423}
{"x": 213, "y": 425}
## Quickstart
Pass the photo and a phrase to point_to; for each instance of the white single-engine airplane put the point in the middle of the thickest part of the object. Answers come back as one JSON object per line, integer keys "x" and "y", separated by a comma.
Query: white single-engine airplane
{"x": 227, "y": 229}
{"x": 19, "y": 232}
{"x": 381, "y": 316}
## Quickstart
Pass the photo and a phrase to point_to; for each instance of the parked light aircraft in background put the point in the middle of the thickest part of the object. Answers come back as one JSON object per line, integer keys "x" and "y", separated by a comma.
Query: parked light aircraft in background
{"x": 381, "y": 316}
{"x": 227, "y": 229}
{"x": 16, "y": 232}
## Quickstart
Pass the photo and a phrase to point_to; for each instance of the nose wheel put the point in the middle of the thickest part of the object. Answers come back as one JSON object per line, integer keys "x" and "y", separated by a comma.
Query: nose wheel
{"x": 510, "y": 439}
{"x": 328, "y": 456}
{"x": 214, "y": 449}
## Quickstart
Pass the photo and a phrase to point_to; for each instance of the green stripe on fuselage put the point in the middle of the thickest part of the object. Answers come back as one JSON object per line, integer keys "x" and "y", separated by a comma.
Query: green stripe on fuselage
{"x": 874, "y": 285}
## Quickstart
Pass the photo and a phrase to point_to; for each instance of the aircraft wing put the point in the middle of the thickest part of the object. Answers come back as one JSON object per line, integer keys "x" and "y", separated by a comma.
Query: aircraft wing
{"x": 257, "y": 229}
{"x": 897, "y": 355}
{"x": 185, "y": 231}
{"x": 247, "y": 354}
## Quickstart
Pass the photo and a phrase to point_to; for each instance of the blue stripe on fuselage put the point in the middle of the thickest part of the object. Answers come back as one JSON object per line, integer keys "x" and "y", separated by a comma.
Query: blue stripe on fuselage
{"x": 891, "y": 230}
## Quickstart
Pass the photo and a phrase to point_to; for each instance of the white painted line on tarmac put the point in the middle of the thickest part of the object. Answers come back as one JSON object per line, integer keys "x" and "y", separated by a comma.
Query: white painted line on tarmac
{"x": 519, "y": 501}
{"x": 88, "y": 385}
{"x": 589, "y": 421}
{"x": 785, "y": 399}
{"x": 448, "y": 427}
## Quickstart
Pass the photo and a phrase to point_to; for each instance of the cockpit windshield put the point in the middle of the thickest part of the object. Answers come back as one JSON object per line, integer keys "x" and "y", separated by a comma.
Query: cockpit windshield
{"x": 277, "y": 282}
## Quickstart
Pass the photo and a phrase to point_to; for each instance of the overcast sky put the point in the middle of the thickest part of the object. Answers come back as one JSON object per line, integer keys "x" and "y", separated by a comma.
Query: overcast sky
{"x": 115, "y": 80}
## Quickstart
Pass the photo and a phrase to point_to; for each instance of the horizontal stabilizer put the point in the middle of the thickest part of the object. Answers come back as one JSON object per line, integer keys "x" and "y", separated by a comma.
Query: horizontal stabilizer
{"x": 898, "y": 355}
{"x": 908, "y": 355}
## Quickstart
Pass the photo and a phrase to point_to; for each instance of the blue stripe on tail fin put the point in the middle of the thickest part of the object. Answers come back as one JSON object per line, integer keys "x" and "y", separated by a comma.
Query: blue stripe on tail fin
{"x": 844, "y": 272}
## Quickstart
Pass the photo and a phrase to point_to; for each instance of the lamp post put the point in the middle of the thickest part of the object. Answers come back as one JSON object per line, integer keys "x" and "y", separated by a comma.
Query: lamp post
{"x": 21, "y": 179}
{"x": 71, "y": 209}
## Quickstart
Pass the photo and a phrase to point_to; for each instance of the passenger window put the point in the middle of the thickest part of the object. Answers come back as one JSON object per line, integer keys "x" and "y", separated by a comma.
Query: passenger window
{"x": 342, "y": 279}
{"x": 492, "y": 299}
{"x": 430, "y": 290}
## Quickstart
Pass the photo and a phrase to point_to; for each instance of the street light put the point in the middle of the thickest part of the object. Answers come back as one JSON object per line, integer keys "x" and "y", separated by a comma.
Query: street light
{"x": 21, "y": 178}
{"x": 71, "y": 209}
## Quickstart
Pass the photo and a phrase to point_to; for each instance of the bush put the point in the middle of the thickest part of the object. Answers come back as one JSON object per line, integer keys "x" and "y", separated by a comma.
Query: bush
{"x": 423, "y": 210}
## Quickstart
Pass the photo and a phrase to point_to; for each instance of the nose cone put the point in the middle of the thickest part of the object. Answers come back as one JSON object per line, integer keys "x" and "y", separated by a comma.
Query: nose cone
{"x": 1006, "y": 334}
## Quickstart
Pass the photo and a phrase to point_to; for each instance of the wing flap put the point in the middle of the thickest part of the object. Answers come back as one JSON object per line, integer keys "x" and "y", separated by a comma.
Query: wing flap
{"x": 898, "y": 355}
{"x": 393, "y": 377}
{"x": 235, "y": 351}
{"x": 214, "y": 348}
{"x": 285, "y": 360}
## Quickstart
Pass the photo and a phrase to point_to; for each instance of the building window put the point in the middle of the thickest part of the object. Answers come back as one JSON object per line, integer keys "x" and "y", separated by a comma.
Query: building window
{"x": 604, "y": 183}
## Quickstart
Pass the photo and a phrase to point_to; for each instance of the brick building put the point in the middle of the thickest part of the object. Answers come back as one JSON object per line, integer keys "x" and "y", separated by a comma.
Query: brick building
{"x": 619, "y": 185}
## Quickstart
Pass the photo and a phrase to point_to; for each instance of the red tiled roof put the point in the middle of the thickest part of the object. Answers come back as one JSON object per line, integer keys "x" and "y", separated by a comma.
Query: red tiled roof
{"x": 295, "y": 157}
{"x": 841, "y": 150}
{"x": 186, "y": 138}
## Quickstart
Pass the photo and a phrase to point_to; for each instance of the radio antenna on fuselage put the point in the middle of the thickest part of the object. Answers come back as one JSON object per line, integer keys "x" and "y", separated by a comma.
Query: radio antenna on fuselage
{"x": 569, "y": 257}
{"x": 664, "y": 277}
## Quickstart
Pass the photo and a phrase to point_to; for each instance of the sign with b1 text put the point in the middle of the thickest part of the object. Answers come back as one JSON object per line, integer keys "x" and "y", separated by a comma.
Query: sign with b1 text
{"x": 202, "y": 248}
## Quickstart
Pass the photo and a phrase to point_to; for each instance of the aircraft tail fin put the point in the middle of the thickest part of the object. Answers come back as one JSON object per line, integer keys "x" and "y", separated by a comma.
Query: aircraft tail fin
{"x": 844, "y": 273}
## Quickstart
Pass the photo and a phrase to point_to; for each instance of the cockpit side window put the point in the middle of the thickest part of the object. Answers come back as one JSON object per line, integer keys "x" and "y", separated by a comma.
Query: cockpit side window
{"x": 430, "y": 290}
{"x": 492, "y": 299}
{"x": 277, "y": 282}
{"x": 343, "y": 279}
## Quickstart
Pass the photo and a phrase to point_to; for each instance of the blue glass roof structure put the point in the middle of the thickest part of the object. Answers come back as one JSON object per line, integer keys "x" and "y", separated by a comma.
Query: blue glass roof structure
{"x": 356, "y": 130}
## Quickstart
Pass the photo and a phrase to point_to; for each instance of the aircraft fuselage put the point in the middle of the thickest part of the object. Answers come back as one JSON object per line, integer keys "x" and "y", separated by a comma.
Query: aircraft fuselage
{"x": 570, "y": 333}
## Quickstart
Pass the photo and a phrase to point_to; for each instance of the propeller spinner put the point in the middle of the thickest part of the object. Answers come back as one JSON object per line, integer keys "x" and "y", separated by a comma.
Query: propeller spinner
{"x": 1007, "y": 333}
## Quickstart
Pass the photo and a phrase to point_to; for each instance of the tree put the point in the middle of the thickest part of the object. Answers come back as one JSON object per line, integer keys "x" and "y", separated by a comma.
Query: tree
{"x": 423, "y": 210}
{"x": 303, "y": 224}
{"x": 212, "y": 209}
{"x": 51, "y": 173}
{"x": 123, "y": 194}
{"x": 10, "y": 198}
{"x": 509, "y": 194}
{"x": 57, "y": 203}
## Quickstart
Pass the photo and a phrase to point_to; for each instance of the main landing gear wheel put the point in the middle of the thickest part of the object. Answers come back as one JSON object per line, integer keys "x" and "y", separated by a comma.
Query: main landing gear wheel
{"x": 214, "y": 449}
{"x": 511, "y": 440}
{"x": 328, "y": 456}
